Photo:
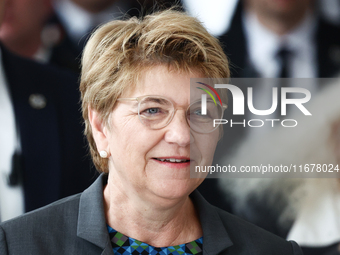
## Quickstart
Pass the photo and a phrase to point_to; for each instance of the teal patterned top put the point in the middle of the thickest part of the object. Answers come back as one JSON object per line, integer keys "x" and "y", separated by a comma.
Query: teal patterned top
{"x": 124, "y": 245}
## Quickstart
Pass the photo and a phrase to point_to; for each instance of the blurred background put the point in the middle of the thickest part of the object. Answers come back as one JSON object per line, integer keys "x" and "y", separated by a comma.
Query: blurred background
{"x": 296, "y": 39}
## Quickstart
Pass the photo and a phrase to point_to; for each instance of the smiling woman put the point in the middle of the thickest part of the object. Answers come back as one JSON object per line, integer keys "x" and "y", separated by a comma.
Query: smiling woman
{"x": 150, "y": 152}
{"x": 145, "y": 131}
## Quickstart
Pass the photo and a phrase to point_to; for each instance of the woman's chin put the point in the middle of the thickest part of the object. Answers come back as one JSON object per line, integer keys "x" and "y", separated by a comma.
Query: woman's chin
{"x": 174, "y": 189}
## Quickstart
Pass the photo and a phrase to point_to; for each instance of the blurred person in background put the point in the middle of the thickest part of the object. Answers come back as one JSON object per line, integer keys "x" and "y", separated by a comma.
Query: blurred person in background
{"x": 23, "y": 27}
{"x": 267, "y": 35}
{"x": 304, "y": 209}
{"x": 274, "y": 39}
{"x": 78, "y": 18}
{"x": 42, "y": 150}
{"x": 56, "y": 31}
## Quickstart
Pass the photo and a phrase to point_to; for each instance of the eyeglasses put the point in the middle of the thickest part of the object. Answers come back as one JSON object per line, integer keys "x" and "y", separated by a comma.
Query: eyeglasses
{"x": 156, "y": 112}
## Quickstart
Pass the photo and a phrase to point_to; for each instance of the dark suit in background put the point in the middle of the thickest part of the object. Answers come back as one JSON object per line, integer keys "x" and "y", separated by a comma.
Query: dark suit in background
{"x": 327, "y": 40}
{"x": 54, "y": 162}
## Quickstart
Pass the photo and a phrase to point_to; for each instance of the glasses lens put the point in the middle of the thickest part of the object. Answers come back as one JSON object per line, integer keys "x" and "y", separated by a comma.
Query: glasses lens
{"x": 155, "y": 112}
{"x": 204, "y": 123}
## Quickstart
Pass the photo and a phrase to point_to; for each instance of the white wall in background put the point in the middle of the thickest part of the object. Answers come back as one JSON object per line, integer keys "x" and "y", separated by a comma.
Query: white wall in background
{"x": 214, "y": 14}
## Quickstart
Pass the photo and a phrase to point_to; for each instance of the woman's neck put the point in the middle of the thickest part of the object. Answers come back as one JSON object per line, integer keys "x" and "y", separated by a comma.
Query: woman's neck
{"x": 160, "y": 223}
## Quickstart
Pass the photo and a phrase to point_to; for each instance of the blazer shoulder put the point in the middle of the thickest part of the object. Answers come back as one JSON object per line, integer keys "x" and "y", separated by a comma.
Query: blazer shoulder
{"x": 3, "y": 243}
{"x": 57, "y": 214}
{"x": 50, "y": 230}
{"x": 245, "y": 235}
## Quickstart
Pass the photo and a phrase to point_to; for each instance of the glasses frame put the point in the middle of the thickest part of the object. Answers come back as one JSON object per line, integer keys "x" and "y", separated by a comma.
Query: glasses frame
{"x": 140, "y": 98}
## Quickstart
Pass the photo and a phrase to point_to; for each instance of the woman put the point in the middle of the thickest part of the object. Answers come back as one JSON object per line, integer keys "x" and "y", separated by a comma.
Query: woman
{"x": 145, "y": 131}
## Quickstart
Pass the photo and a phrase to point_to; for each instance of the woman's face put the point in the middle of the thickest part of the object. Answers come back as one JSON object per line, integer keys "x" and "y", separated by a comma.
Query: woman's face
{"x": 137, "y": 152}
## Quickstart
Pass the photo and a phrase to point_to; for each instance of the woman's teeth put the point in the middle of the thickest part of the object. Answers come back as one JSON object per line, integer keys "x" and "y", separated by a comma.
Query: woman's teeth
{"x": 172, "y": 160}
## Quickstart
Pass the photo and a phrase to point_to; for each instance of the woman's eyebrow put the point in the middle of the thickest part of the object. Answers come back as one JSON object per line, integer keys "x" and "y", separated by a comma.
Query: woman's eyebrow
{"x": 157, "y": 100}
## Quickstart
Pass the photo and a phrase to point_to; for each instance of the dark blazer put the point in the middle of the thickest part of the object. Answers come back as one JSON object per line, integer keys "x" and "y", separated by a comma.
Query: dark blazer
{"x": 54, "y": 163}
{"x": 327, "y": 39}
{"x": 77, "y": 225}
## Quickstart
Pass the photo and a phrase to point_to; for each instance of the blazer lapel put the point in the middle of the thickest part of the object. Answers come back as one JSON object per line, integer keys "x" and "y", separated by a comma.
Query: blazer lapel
{"x": 91, "y": 221}
{"x": 215, "y": 236}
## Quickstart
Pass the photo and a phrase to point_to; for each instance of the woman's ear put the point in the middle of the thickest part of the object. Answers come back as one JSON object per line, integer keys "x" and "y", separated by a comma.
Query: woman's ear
{"x": 99, "y": 131}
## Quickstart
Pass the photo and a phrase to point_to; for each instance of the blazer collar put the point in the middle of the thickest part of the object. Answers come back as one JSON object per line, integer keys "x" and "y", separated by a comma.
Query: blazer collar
{"x": 92, "y": 224}
{"x": 91, "y": 219}
{"x": 215, "y": 236}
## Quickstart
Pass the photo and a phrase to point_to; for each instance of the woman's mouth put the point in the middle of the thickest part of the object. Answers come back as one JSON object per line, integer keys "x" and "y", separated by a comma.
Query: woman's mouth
{"x": 173, "y": 160}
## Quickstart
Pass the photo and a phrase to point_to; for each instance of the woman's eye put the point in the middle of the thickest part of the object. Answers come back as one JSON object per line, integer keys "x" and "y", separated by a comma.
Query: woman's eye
{"x": 198, "y": 112}
{"x": 152, "y": 110}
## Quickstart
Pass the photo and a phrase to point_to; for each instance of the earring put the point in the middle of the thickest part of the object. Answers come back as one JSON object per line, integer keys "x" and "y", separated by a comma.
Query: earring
{"x": 103, "y": 154}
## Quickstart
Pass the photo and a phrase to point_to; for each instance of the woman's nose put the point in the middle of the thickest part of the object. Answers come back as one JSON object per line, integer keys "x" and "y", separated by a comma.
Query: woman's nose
{"x": 178, "y": 131}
